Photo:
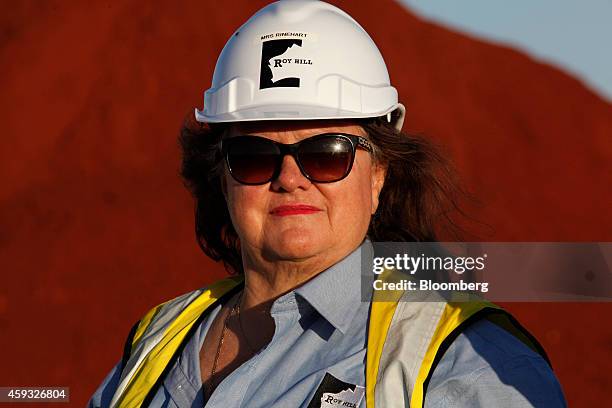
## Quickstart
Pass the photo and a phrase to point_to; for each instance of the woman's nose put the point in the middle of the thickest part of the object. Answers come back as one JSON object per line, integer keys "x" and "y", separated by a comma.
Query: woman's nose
{"x": 290, "y": 177}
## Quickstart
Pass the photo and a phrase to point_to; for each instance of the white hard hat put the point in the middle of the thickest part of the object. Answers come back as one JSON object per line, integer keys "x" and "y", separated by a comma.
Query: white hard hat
{"x": 300, "y": 59}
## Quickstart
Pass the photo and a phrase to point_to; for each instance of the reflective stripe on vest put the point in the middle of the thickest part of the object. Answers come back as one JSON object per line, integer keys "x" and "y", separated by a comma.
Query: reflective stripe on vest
{"x": 163, "y": 331}
{"x": 408, "y": 334}
{"x": 159, "y": 336}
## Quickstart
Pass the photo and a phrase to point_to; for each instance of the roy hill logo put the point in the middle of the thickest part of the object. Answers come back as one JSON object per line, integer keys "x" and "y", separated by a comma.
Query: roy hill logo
{"x": 282, "y": 62}
{"x": 333, "y": 393}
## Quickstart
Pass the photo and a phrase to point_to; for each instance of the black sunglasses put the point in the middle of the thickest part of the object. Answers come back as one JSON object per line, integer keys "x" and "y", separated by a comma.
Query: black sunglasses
{"x": 323, "y": 158}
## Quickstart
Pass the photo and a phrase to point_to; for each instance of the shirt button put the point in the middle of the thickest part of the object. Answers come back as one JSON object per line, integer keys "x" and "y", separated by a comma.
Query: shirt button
{"x": 180, "y": 387}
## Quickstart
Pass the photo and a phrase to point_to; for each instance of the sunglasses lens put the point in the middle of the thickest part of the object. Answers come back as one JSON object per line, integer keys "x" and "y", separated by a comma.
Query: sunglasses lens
{"x": 326, "y": 159}
{"x": 252, "y": 160}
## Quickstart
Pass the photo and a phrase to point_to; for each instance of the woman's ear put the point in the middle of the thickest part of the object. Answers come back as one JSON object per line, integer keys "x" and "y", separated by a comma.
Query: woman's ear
{"x": 379, "y": 172}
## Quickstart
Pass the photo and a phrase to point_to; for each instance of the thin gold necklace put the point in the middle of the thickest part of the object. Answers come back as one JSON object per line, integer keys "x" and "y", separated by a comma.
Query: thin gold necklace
{"x": 246, "y": 338}
{"x": 235, "y": 310}
{"x": 210, "y": 383}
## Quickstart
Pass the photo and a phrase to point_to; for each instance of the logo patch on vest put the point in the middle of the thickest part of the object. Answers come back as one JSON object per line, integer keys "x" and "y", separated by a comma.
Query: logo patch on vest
{"x": 333, "y": 393}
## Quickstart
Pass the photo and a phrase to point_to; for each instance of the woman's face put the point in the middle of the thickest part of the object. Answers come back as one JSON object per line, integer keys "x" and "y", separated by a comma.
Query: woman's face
{"x": 266, "y": 218}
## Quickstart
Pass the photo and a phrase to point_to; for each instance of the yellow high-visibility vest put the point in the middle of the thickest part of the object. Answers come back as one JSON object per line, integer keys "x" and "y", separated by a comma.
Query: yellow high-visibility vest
{"x": 405, "y": 341}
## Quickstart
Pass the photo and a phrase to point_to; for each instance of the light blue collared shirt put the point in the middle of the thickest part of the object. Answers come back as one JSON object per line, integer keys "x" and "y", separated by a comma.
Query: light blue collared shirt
{"x": 321, "y": 328}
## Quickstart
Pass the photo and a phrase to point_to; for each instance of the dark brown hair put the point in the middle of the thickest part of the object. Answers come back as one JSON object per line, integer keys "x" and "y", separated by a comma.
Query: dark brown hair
{"x": 418, "y": 198}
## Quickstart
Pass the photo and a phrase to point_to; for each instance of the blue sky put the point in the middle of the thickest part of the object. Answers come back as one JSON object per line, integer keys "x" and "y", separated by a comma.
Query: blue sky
{"x": 575, "y": 35}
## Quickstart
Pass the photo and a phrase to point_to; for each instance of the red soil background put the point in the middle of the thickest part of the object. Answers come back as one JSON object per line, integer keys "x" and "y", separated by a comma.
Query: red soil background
{"x": 96, "y": 227}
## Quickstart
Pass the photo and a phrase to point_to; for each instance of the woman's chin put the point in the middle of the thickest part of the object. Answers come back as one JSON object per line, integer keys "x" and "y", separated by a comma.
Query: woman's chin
{"x": 297, "y": 244}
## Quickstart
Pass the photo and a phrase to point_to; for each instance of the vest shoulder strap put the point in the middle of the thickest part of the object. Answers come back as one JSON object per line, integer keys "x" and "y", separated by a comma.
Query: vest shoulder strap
{"x": 456, "y": 318}
{"x": 158, "y": 339}
{"x": 416, "y": 334}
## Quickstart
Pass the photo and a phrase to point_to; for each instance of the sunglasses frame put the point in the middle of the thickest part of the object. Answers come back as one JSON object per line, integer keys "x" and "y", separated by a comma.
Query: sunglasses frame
{"x": 292, "y": 150}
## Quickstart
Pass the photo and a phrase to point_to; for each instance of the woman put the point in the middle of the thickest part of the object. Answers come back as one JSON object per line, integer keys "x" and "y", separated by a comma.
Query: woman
{"x": 297, "y": 165}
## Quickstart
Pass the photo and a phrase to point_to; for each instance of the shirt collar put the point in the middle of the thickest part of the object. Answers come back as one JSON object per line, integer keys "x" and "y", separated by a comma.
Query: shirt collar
{"x": 336, "y": 292}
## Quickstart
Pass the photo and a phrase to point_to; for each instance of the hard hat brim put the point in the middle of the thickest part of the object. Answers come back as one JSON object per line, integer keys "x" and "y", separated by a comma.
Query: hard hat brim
{"x": 294, "y": 112}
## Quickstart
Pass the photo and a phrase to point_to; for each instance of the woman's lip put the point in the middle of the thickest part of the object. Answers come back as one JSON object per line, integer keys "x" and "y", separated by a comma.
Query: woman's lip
{"x": 294, "y": 209}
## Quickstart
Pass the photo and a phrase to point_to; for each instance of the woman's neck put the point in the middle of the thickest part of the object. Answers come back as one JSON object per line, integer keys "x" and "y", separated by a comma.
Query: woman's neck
{"x": 263, "y": 286}
{"x": 266, "y": 280}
